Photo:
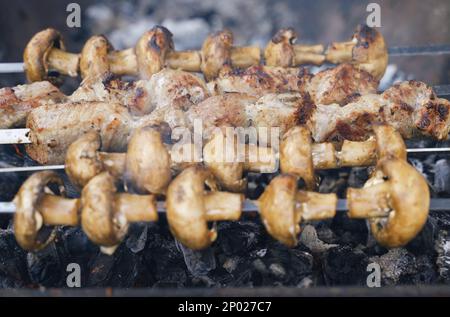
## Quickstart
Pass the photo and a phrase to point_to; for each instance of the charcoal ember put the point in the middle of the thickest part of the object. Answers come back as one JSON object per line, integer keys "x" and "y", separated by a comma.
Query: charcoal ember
{"x": 441, "y": 182}
{"x": 424, "y": 242}
{"x": 344, "y": 266}
{"x": 137, "y": 237}
{"x": 310, "y": 239}
{"x": 162, "y": 258}
{"x": 349, "y": 231}
{"x": 100, "y": 268}
{"x": 358, "y": 176}
{"x": 325, "y": 233}
{"x": 198, "y": 262}
{"x": 442, "y": 247}
{"x": 45, "y": 267}
{"x": 76, "y": 244}
{"x": 127, "y": 268}
{"x": 425, "y": 272}
{"x": 13, "y": 266}
{"x": 395, "y": 264}
{"x": 238, "y": 237}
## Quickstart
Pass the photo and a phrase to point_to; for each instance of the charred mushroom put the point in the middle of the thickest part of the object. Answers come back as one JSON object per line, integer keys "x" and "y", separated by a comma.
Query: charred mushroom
{"x": 218, "y": 51}
{"x": 282, "y": 51}
{"x": 106, "y": 214}
{"x": 38, "y": 209}
{"x": 282, "y": 207}
{"x": 228, "y": 159}
{"x": 190, "y": 207}
{"x": 396, "y": 201}
{"x": 94, "y": 62}
{"x": 366, "y": 50}
{"x": 45, "y": 56}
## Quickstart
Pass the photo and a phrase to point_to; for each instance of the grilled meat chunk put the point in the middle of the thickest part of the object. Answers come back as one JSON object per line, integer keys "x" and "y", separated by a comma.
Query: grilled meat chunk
{"x": 17, "y": 102}
{"x": 333, "y": 85}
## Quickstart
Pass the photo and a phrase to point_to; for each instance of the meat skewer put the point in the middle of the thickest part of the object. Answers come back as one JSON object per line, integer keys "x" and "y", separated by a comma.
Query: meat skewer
{"x": 181, "y": 90}
{"x": 410, "y": 107}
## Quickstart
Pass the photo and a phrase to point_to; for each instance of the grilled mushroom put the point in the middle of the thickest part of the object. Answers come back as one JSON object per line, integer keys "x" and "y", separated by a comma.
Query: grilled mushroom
{"x": 396, "y": 201}
{"x": 106, "y": 214}
{"x": 190, "y": 207}
{"x": 38, "y": 207}
{"x": 94, "y": 62}
{"x": 228, "y": 159}
{"x": 45, "y": 53}
{"x": 282, "y": 207}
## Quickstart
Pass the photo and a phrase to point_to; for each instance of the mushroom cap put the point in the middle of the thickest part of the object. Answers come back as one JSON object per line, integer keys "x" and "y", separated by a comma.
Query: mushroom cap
{"x": 277, "y": 209}
{"x": 151, "y": 50}
{"x": 94, "y": 63}
{"x": 216, "y": 53}
{"x": 82, "y": 161}
{"x": 186, "y": 211}
{"x": 36, "y": 53}
{"x": 389, "y": 142}
{"x": 280, "y": 50}
{"x": 220, "y": 155}
{"x": 370, "y": 52}
{"x": 296, "y": 155}
{"x": 28, "y": 221}
{"x": 99, "y": 219}
{"x": 410, "y": 198}
{"x": 148, "y": 162}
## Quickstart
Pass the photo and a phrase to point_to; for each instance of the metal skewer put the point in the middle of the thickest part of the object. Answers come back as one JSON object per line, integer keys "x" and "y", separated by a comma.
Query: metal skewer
{"x": 436, "y": 204}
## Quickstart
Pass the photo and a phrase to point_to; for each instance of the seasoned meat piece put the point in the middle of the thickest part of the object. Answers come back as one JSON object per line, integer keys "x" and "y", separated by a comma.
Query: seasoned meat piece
{"x": 340, "y": 85}
{"x": 17, "y": 102}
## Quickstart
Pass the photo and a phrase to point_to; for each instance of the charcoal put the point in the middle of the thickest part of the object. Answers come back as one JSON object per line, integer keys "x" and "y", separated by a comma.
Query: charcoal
{"x": 358, "y": 176}
{"x": 45, "y": 267}
{"x": 425, "y": 272}
{"x": 442, "y": 247}
{"x": 137, "y": 237}
{"x": 344, "y": 266}
{"x": 126, "y": 269}
{"x": 198, "y": 262}
{"x": 441, "y": 182}
{"x": 100, "y": 268}
{"x": 238, "y": 237}
{"x": 13, "y": 267}
{"x": 306, "y": 282}
{"x": 395, "y": 264}
{"x": 349, "y": 231}
{"x": 424, "y": 242}
{"x": 77, "y": 244}
{"x": 309, "y": 238}
{"x": 231, "y": 263}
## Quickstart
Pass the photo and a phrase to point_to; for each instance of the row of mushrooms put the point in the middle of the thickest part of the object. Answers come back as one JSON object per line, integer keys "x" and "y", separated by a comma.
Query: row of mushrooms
{"x": 395, "y": 200}
{"x": 45, "y": 56}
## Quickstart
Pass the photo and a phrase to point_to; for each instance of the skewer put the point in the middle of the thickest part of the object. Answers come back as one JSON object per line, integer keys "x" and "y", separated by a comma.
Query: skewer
{"x": 433, "y": 49}
{"x": 436, "y": 204}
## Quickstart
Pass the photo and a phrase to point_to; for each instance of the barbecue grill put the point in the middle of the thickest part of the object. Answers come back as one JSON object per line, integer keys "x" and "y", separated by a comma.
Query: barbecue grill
{"x": 338, "y": 250}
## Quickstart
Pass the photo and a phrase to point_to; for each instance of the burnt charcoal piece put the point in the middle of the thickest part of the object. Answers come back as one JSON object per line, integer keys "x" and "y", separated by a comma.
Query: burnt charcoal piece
{"x": 45, "y": 267}
{"x": 358, "y": 177}
{"x": 441, "y": 182}
{"x": 13, "y": 267}
{"x": 77, "y": 244}
{"x": 137, "y": 237}
{"x": 199, "y": 263}
{"x": 425, "y": 272}
{"x": 423, "y": 243}
{"x": 345, "y": 266}
{"x": 238, "y": 237}
{"x": 100, "y": 269}
{"x": 349, "y": 231}
{"x": 396, "y": 265}
{"x": 126, "y": 269}
{"x": 442, "y": 247}
{"x": 9, "y": 185}
{"x": 5, "y": 221}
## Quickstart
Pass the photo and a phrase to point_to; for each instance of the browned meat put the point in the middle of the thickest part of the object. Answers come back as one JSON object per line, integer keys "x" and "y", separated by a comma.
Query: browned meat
{"x": 17, "y": 102}
{"x": 333, "y": 85}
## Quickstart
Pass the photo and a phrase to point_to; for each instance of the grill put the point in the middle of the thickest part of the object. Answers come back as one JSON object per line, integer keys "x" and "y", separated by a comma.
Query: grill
{"x": 332, "y": 258}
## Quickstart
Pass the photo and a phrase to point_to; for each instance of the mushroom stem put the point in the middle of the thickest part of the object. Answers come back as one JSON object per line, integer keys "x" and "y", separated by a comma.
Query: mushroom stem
{"x": 315, "y": 206}
{"x": 123, "y": 62}
{"x": 114, "y": 163}
{"x": 246, "y": 56}
{"x": 357, "y": 153}
{"x": 136, "y": 208}
{"x": 369, "y": 202}
{"x": 260, "y": 159}
{"x": 63, "y": 62}
{"x": 223, "y": 206}
{"x": 57, "y": 210}
{"x": 340, "y": 52}
{"x": 308, "y": 54}
{"x": 185, "y": 60}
